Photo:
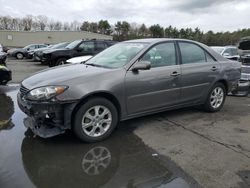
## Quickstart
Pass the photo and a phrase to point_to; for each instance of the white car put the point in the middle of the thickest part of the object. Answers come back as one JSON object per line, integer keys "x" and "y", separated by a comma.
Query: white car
{"x": 1, "y": 48}
{"x": 229, "y": 52}
{"x": 78, "y": 60}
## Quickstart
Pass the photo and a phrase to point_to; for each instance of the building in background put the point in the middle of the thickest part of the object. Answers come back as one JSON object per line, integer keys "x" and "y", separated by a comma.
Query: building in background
{"x": 23, "y": 38}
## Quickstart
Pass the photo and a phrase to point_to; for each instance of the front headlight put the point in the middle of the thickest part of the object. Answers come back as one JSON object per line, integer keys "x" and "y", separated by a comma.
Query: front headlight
{"x": 45, "y": 93}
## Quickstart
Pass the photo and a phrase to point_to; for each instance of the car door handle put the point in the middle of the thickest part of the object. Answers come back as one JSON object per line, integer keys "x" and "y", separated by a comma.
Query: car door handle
{"x": 214, "y": 68}
{"x": 175, "y": 73}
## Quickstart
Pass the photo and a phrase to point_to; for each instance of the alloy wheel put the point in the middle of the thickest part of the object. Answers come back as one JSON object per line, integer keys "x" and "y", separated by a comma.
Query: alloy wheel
{"x": 96, "y": 121}
{"x": 96, "y": 160}
{"x": 217, "y": 97}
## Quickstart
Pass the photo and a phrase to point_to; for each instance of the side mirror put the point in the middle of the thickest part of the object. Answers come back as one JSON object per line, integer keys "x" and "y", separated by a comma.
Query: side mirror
{"x": 28, "y": 49}
{"x": 141, "y": 65}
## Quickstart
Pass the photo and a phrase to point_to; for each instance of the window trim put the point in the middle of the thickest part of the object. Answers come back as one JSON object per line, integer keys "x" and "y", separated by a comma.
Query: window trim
{"x": 177, "y": 62}
{"x": 204, "y": 50}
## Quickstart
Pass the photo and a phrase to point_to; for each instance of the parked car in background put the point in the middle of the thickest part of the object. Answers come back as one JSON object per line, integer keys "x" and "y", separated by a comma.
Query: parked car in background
{"x": 229, "y": 52}
{"x": 77, "y": 60}
{"x": 20, "y": 53}
{"x": 244, "y": 82}
{"x": 3, "y": 48}
{"x": 5, "y": 75}
{"x": 74, "y": 49}
{"x": 128, "y": 80}
{"x": 38, "y": 54}
{"x": 244, "y": 50}
{"x": 3, "y": 57}
{"x": 30, "y": 53}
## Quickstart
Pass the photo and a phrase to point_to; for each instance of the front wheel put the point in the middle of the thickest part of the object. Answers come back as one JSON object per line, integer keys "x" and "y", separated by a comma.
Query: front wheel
{"x": 95, "y": 120}
{"x": 61, "y": 61}
{"x": 216, "y": 98}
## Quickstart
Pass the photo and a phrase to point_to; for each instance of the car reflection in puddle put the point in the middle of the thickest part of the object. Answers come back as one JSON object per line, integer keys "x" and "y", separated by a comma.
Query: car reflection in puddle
{"x": 63, "y": 161}
{"x": 120, "y": 161}
{"x": 6, "y": 112}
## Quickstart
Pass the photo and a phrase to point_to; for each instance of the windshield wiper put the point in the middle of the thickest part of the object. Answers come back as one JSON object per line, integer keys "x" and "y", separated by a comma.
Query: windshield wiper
{"x": 95, "y": 65}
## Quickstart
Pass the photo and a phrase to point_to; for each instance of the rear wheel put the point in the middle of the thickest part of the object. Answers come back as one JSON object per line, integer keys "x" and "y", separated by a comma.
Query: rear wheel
{"x": 95, "y": 120}
{"x": 216, "y": 98}
{"x": 19, "y": 55}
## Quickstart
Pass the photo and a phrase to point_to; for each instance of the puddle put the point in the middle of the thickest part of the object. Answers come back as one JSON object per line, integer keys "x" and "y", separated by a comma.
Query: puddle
{"x": 120, "y": 161}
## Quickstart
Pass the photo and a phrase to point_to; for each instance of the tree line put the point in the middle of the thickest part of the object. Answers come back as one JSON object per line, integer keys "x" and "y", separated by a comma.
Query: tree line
{"x": 122, "y": 30}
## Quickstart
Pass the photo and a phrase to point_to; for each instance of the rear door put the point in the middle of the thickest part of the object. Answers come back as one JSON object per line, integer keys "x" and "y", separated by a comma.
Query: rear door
{"x": 199, "y": 70}
{"x": 158, "y": 87}
{"x": 99, "y": 46}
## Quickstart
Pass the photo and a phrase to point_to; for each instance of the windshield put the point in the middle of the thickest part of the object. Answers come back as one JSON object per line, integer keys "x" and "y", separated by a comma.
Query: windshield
{"x": 73, "y": 44}
{"x": 218, "y": 49}
{"x": 118, "y": 55}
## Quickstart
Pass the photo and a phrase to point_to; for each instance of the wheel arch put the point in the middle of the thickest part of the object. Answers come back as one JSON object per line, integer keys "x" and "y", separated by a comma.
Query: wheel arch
{"x": 102, "y": 94}
{"x": 225, "y": 83}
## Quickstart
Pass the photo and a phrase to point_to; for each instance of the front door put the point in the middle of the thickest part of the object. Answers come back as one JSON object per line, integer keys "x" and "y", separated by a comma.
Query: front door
{"x": 155, "y": 88}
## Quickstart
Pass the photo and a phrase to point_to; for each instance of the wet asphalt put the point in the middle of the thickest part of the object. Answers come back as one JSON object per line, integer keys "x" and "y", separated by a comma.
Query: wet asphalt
{"x": 122, "y": 160}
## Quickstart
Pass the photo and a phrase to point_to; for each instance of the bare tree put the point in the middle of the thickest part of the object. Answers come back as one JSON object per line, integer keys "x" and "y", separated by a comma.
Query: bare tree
{"x": 51, "y": 25}
{"x": 58, "y": 26}
{"x": 27, "y": 22}
{"x": 66, "y": 26}
{"x": 5, "y": 22}
{"x": 42, "y": 22}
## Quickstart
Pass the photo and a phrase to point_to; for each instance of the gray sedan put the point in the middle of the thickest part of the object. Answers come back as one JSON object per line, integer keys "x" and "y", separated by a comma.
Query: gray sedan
{"x": 128, "y": 80}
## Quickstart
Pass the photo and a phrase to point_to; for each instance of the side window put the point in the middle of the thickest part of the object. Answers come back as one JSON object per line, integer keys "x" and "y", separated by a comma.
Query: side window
{"x": 209, "y": 58}
{"x": 87, "y": 47}
{"x": 100, "y": 46}
{"x": 32, "y": 47}
{"x": 227, "y": 51}
{"x": 191, "y": 53}
{"x": 234, "y": 51}
{"x": 41, "y": 46}
{"x": 161, "y": 55}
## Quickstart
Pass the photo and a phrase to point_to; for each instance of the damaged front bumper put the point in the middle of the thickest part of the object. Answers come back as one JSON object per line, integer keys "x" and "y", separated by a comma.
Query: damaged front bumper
{"x": 46, "y": 119}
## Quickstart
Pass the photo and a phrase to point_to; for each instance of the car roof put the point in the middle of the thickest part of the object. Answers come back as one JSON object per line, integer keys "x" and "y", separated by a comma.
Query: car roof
{"x": 155, "y": 40}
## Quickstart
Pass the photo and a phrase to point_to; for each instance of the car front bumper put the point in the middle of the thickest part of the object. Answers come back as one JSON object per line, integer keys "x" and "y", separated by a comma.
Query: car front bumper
{"x": 53, "y": 116}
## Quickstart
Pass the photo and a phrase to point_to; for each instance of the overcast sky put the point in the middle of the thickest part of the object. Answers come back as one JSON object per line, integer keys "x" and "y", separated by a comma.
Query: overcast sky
{"x": 216, "y": 15}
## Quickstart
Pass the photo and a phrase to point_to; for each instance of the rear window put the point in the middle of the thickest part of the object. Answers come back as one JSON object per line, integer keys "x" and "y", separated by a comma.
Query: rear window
{"x": 191, "y": 53}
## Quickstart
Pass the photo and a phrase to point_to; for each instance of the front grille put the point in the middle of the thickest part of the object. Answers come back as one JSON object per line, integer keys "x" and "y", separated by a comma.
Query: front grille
{"x": 245, "y": 69}
{"x": 23, "y": 90}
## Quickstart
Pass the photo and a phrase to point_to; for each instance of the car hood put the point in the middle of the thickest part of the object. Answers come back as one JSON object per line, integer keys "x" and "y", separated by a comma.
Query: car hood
{"x": 62, "y": 75}
{"x": 79, "y": 59}
{"x": 55, "y": 50}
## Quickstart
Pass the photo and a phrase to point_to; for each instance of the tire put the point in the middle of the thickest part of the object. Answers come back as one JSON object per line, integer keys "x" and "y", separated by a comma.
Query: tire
{"x": 214, "y": 101}
{"x": 61, "y": 61}
{"x": 95, "y": 128}
{"x": 19, "y": 55}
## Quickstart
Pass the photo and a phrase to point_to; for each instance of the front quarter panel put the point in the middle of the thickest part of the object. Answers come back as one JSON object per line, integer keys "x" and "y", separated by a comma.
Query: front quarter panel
{"x": 110, "y": 82}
